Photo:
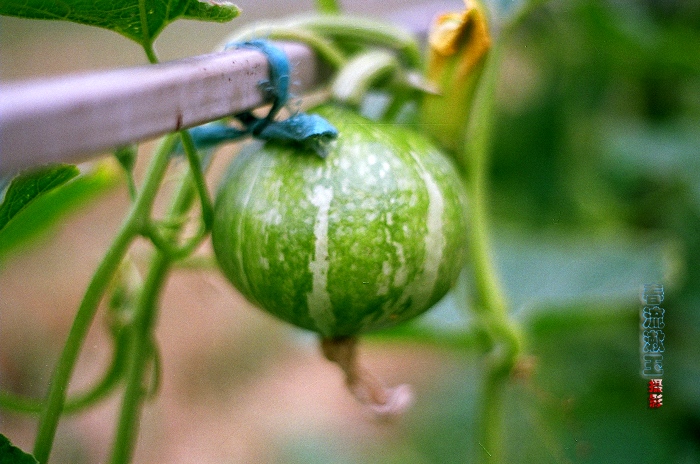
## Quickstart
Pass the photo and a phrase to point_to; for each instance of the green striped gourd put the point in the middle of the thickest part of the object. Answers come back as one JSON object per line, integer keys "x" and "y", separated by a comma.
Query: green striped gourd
{"x": 368, "y": 237}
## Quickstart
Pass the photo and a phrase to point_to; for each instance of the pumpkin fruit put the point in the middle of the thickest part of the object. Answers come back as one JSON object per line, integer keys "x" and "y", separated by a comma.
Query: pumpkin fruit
{"x": 370, "y": 236}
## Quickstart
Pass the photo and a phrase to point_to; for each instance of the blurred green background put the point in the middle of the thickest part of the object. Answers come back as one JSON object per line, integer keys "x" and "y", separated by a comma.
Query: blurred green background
{"x": 595, "y": 191}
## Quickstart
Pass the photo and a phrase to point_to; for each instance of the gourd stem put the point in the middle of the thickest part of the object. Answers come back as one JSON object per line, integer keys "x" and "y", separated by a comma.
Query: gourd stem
{"x": 384, "y": 402}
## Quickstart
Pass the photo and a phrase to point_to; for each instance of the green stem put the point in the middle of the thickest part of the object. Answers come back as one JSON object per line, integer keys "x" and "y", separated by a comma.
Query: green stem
{"x": 163, "y": 242}
{"x": 198, "y": 177}
{"x": 490, "y": 416}
{"x": 156, "y": 369}
{"x": 150, "y": 53}
{"x": 142, "y": 348}
{"x": 108, "y": 382}
{"x": 324, "y": 48}
{"x": 126, "y": 156}
{"x": 131, "y": 186}
{"x": 141, "y": 352}
{"x": 328, "y": 34}
{"x": 487, "y": 286}
{"x": 490, "y": 304}
{"x": 490, "y": 301}
{"x": 93, "y": 295}
{"x": 354, "y": 80}
{"x": 361, "y": 30}
{"x": 147, "y": 40}
{"x": 198, "y": 263}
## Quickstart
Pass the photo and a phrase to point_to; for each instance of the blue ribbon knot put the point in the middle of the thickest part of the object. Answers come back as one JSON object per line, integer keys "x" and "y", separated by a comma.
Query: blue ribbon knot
{"x": 308, "y": 131}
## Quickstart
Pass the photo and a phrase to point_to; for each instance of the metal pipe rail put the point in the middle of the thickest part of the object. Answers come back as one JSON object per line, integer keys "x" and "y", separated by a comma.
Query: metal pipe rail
{"x": 70, "y": 118}
{"x": 73, "y": 118}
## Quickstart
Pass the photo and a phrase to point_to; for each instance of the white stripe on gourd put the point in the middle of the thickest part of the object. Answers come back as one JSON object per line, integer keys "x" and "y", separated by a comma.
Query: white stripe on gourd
{"x": 421, "y": 288}
{"x": 434, "y": 239}
{"x": 318, "y": 300}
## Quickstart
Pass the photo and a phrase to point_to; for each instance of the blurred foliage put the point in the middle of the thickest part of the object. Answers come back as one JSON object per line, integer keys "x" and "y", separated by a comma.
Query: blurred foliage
{"x": 34, "y": 204}
{"x": 27, "y": 187}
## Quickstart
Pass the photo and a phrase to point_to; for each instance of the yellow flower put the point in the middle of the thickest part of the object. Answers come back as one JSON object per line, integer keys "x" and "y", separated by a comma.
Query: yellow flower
{"x": 458, "y": 44}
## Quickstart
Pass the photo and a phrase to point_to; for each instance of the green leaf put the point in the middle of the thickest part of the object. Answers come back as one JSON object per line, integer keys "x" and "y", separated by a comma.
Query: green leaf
{"x": 10, "y": 454}
{"x": 36, "y": 217}
{"x": 29, "y": 186}
{"x": 139, "y": 20}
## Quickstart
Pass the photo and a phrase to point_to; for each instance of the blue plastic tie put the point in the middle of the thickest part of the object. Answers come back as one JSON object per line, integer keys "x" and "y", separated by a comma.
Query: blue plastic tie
{"x": 308, "y": 131}
{"x": 277, "y": 87}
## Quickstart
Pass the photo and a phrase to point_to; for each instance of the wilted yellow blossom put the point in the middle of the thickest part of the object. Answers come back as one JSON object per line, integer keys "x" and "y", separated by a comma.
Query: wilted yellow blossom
{"x": 458, "y": 44}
